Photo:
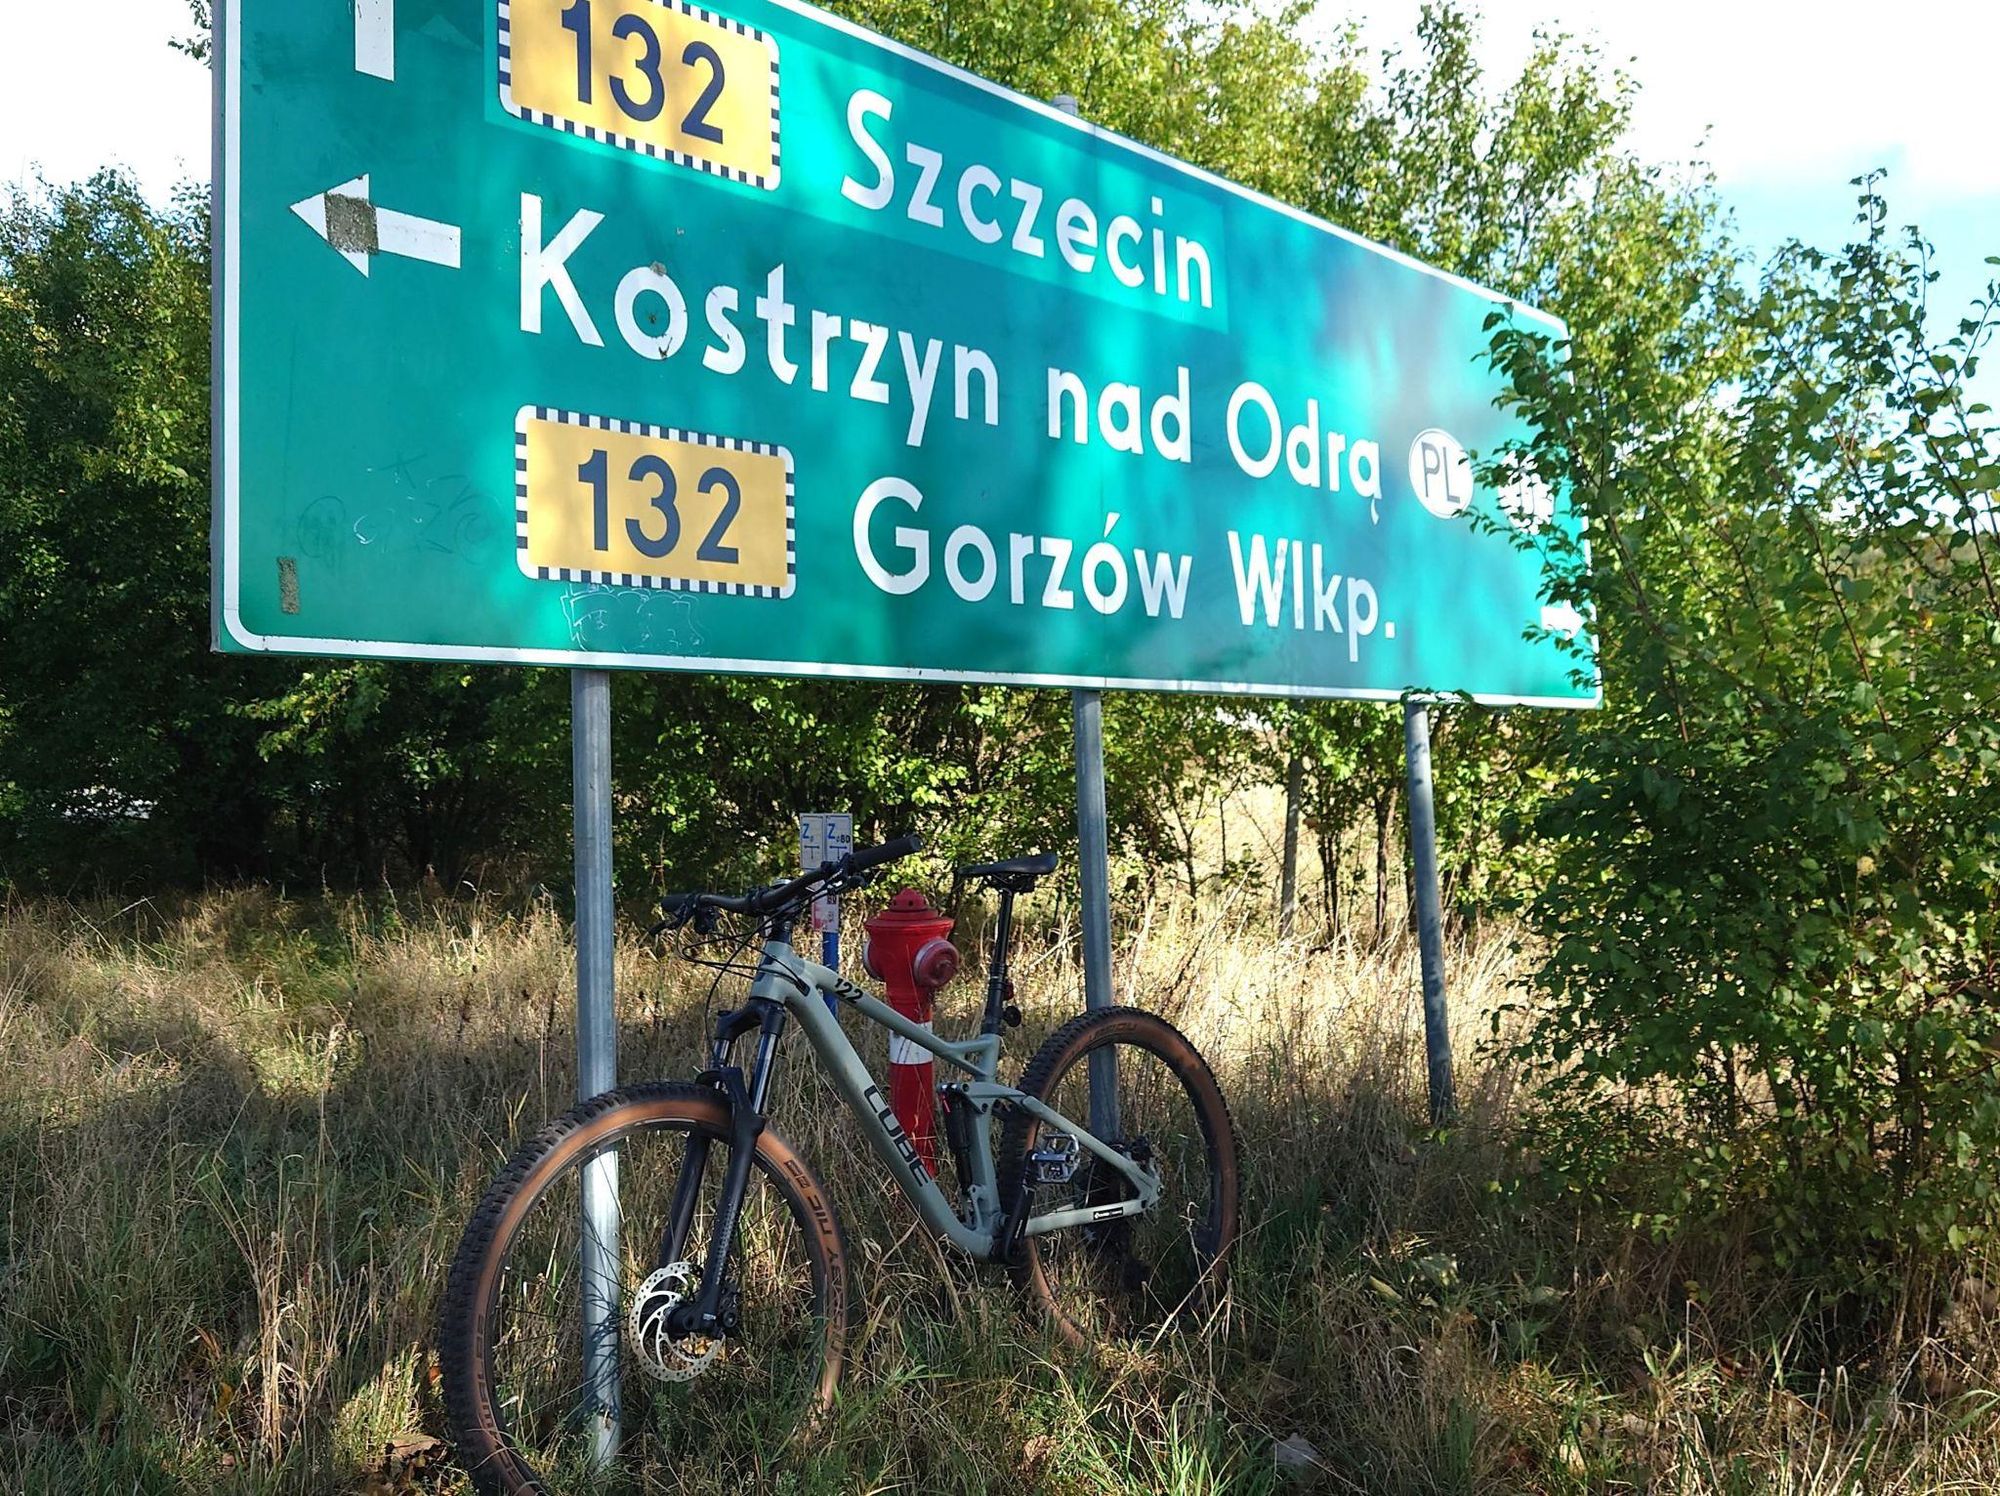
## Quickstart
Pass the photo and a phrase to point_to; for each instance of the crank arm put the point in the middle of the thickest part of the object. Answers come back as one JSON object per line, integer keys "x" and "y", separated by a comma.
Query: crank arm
{"x": 1143, "y": 1180}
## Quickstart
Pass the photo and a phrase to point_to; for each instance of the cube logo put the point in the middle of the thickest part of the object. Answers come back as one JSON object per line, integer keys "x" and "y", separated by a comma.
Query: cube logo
{"x": 1440, "y": 473}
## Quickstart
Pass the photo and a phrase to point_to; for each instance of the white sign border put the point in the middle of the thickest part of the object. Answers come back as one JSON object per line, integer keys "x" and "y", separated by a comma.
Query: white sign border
{"x": 225, "y": 190}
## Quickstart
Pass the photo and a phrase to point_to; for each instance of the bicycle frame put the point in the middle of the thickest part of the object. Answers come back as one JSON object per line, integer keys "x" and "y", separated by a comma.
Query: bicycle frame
{"x": 787, "y": 985}
{"x": 796, "y": 987}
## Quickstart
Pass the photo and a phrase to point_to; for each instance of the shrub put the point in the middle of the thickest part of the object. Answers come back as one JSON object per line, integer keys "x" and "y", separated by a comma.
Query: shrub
{"x": 1772, "y": 981}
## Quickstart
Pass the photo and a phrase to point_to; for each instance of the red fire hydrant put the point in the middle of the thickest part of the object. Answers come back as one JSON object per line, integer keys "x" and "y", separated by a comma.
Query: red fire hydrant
{"x": 908, "y": 952}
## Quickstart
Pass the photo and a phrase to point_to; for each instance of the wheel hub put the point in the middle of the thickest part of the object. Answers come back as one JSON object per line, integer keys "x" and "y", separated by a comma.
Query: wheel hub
{"x": 649, "y": 1326}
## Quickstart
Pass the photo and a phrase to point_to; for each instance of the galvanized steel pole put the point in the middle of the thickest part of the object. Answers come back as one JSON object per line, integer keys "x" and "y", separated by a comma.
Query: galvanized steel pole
{"x": 600, "y": 1288}
{"x": 1094, "y": 868}
{"x": 1429, "y": 910}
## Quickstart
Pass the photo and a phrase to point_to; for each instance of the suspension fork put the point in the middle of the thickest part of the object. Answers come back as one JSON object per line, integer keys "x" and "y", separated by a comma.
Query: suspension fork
{"x": 746, "y": 1123}
{"x": 729, "y": 1027}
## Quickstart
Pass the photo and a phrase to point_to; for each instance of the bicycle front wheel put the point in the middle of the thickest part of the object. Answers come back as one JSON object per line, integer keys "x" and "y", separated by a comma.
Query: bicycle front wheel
{"x": 581, "y": 1213}
{"x": 1159, "y": 1105}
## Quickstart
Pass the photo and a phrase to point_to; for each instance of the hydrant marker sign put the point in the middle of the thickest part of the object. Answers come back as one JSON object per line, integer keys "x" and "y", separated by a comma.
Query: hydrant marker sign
{"x": 824, "y": 836}
{"x": 634, "y": 333}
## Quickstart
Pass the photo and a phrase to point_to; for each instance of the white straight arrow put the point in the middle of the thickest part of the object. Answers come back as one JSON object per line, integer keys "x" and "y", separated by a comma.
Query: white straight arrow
{"x": 375, "y": 38}
{"x": 346, "y": 218}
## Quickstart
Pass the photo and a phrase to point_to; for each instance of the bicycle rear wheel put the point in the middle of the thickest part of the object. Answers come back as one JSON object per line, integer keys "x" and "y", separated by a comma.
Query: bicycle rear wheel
{"x": 695, "y": 1412}
{"x": 1123, "y": 1279}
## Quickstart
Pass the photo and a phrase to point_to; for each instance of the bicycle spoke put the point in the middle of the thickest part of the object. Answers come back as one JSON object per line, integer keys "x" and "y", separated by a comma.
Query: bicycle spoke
{"x": 536, "y": 1343}
{"x": 1133, "y": 1276}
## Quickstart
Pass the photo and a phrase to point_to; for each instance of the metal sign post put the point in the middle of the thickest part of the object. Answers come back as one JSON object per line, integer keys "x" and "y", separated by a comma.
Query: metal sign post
{"x": 1093, "y": 869}
{"x": 1429, "y": 910}
{"x": 1093, "y": 855}
{"x": 596, "y": 1049}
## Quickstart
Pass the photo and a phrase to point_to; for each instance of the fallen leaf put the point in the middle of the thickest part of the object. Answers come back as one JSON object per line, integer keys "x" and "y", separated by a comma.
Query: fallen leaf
{"x": 402, "y": 1462}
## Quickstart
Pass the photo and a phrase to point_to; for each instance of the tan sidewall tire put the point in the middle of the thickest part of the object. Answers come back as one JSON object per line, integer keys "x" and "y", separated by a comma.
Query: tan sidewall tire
{"x": 1059, "y": 1054}
{"x": 464, "y": 1328}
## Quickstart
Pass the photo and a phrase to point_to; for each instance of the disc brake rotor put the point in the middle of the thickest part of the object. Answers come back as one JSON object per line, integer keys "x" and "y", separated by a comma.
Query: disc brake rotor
{"x": 659, "y": 1352}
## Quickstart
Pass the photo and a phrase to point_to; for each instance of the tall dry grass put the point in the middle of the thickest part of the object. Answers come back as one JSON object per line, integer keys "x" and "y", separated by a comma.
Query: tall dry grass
{"x": 240, "y": 1133}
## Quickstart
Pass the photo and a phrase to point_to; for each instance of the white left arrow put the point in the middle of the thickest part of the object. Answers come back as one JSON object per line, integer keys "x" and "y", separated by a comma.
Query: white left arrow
{"x": 346, "y": 218}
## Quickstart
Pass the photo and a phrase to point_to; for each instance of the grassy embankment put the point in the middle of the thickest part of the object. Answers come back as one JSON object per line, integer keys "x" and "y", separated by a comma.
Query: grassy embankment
{"x": 239, "y": 1136}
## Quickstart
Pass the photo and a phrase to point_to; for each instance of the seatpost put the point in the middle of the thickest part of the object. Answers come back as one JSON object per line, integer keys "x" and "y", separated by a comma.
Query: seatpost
{"x": 996, "y": 972}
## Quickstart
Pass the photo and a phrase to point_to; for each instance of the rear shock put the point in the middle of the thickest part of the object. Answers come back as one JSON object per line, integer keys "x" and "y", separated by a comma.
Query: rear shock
{"x": 957, "y": 1109}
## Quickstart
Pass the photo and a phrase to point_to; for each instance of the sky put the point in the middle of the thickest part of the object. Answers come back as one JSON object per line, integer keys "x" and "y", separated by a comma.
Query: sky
{"x": 1786, "y": 100}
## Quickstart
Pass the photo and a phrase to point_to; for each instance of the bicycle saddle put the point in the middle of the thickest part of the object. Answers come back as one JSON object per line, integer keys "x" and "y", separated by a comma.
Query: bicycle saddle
{"x": 1017, "y": 874}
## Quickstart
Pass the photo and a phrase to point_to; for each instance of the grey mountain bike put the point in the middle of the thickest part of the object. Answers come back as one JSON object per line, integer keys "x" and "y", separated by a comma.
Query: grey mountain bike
{"x": 732, "y": 1313}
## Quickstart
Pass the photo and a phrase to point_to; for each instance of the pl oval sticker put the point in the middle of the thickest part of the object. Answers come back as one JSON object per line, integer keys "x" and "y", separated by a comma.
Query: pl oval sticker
{"x": 1441, "y": 473}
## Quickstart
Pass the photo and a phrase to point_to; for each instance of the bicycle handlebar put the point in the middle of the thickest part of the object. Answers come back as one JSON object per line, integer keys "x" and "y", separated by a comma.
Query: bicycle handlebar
{"x": 869, "y": 858}
{"x": 680, "y": 907}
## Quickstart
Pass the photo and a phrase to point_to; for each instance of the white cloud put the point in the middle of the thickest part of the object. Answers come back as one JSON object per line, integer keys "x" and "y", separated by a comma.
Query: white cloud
{"x": 82, "y": 86}
{"x": 1777, "y": 88}
{"x": 1781, "y": 89}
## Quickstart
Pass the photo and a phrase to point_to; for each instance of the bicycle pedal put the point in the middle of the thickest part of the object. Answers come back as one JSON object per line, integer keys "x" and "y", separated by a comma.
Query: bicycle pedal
{"x": 1056, "y": 1160}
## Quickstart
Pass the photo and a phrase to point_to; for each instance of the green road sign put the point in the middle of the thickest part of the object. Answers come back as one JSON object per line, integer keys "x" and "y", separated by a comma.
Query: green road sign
{"x": 631, "y": 333}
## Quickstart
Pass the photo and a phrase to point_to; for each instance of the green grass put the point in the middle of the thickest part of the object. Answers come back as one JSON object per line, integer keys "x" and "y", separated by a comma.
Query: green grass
{"x": 239, "y": 1136}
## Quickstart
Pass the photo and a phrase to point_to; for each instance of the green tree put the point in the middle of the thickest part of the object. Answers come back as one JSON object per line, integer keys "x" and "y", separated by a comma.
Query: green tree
{"x": 1774, "y": 966}
{"x": 117, "y": 746}
{"x": 378, "y": 770}
{"x": 1529, "y": 188}
{"x": 129, "y": 752}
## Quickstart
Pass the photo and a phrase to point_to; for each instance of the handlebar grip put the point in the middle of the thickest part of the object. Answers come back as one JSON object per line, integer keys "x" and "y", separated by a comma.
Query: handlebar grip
{"x": 889, "y": 851}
